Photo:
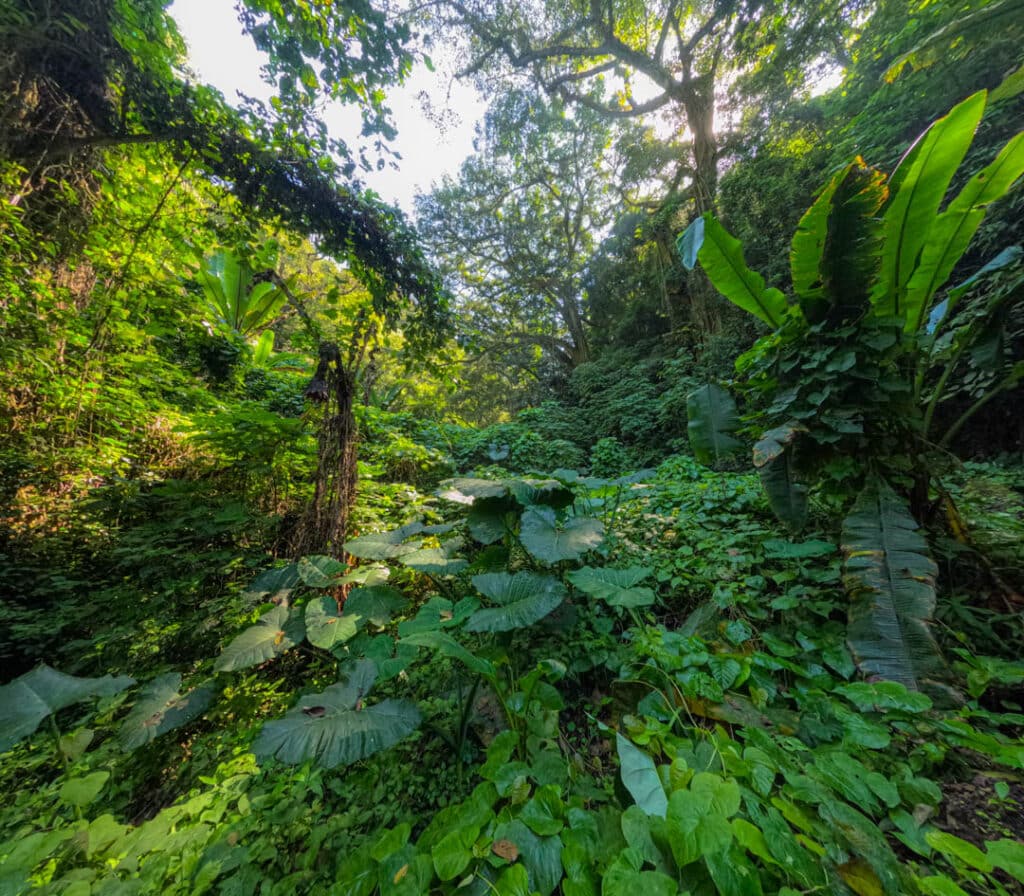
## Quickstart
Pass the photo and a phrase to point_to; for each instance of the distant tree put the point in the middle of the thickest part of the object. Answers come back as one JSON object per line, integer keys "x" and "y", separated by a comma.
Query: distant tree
{"x": 679, "y": 57}
{"x": 514, "y": 232}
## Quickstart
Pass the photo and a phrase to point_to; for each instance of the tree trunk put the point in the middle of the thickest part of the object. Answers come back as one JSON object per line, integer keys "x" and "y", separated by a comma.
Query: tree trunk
{"x": 579, "y": 345}
{"x": 699, "y": 102}
{"x": 325, "y": 525}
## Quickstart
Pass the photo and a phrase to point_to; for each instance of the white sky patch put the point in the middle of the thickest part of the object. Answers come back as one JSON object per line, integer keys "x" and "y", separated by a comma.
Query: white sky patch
{"x": 430, "y": 146}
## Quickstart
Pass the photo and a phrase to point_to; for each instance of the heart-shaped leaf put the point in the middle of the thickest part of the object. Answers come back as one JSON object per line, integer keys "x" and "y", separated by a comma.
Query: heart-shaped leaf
{"x": 384, "y": 545}
{"x": 523, "y": 599}
{"x": 275, "y": 633}
{"x": 326, "y": 627}
{"x": 334, "y": 728}
{"x": 377, "y": 603}
{"x": 434, "y": 562}
{"x": 616, "y": 587}
{"x": 550, "y": 542}
{"x": 466, "y": 491}
{"x": 29, "y": 699}
{"x": 160, "y": 708}
{"x": 320, "y": 571}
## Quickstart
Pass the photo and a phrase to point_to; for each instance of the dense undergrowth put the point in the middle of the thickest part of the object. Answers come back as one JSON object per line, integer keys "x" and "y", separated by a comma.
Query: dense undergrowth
{"x": 564, "y": 554}
{"x": 689, "y": 718}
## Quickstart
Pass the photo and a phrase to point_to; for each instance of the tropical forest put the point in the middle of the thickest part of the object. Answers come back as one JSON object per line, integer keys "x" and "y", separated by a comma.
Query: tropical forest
{"x": 635, "y": 509}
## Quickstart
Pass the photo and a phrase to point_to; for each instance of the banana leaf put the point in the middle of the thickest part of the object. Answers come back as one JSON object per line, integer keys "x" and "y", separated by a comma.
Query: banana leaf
{"x": 711, "y": 421}
{"x": 891, "y": 582}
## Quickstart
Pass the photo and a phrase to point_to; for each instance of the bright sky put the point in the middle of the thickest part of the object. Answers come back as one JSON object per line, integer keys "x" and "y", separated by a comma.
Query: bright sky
{"x": 223, "y": 56}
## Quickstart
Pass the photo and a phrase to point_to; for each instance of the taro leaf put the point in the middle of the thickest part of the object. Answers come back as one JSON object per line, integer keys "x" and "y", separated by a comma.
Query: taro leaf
{"x": 376, "y": 604}
{"x": 891, "y": 582}
{"x": 523, "y": 599}
{"x": 160, "y": 708}
{"x": 486, "y": 519}
{"x": 370, "y": 576}
{"x": 447, "y": 646}
{"x": 326, "y": 627}
{"x": 270, "y": 637}
{"x": 275, "y": 585}
{"x": 548, "y": 542}
{"x": 438, "y": 613}
{"x": 640, "y": 777}
{"x": 29, "y": 699}
{"x": 434, "y": 562}
{"x": 466, "y": 491}
{"x": 541, "y": 856}
{"x": 615, "y": 586}
{"x": 773, "y": 459}
{"x": 549, "y": 492}
{"x": 712, "y": 419}
{"x": 334, "y": 728}
{"x": 320, "y": 571}
{"x": 384, "y": 545}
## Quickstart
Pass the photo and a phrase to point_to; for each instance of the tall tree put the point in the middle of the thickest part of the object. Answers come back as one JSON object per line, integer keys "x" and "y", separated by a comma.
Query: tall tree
{"x": 516, "y": 229}
{"x": 677, "y": 56}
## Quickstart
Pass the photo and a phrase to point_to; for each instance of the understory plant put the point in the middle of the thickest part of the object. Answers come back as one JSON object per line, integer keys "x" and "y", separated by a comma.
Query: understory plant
{"x": 848, "y": 384}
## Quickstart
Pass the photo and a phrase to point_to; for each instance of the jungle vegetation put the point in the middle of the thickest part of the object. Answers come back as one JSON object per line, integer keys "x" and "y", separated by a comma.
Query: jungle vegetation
{"x": 642, "y": 512}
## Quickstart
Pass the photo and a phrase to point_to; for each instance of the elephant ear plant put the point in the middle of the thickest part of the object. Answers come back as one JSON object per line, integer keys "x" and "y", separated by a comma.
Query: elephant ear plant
{"x": 848, "y": 383}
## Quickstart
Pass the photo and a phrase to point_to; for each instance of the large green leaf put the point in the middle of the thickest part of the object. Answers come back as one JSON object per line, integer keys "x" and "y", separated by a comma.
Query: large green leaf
{"x": 334, "y": 728}
{"x": 808, "y": 246}
{"x": 466, "y": 491}
{"x": 447, "y": 646}
{"x": 375, "y": 603}
{"x": 160, "y": 708}
{"x": 29, "y": 699}
{"x": 698, "y": 818}
{"x": 275, "y": 633}
{"x": 616, "y": 587}
{"x": 320, "y": 571}
{"x": 487, "y": 519}
{"x": 834, "y": 255}
{"x": 711, "y": 421}
{"x": 955, "y": 228}
{"x": 773, "y": 460}
{"x": 434, "y": 562}
{"x": 640, "y": 777}
{"x": 549, "y": 492}
{"x": 523, "y": 599}
{"x": 326, "y": 626}
{"x": 238, "y": 303}
{"x": 624, "y": 877}
{"x": 721, "y": 256}
{"x": 275, "y": 585}
{"x": 891, "y": 582}
{"x": 550, "y": 542}
{"x": 384, "y": 545}
{"x": 851, "y": 255}
{"x": 918, "y": 186}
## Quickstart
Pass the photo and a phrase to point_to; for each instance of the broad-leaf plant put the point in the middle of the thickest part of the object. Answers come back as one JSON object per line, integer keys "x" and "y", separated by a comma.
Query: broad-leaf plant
{"x": 848, "y": 383}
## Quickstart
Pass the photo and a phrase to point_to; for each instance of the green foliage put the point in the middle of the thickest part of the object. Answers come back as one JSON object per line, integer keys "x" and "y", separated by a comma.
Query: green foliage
{"x": 39, "y": 694}
{"x": 712, "y": 420}
{"x": 335, "y": 728}
{"x": 161, "y": 708}
{"x": 241, "y": 304}
{"x": 891, "y": 580}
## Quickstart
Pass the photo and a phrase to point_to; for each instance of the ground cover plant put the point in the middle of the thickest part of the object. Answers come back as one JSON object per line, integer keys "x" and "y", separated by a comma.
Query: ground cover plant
{"x": 340, "y": 557}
